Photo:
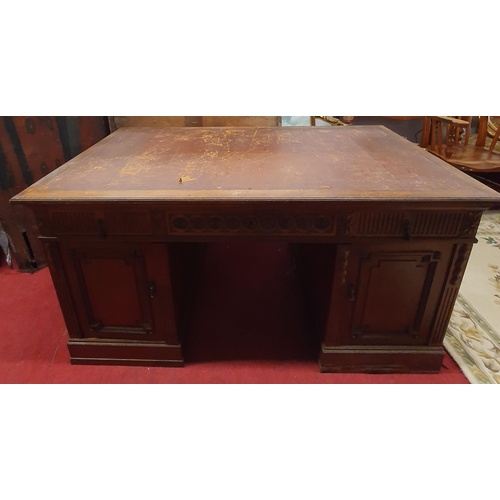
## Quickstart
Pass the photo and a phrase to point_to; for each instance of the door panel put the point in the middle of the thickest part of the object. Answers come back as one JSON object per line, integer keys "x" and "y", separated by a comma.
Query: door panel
{"x": 393, "y": 289}
{"x": 101, "y": 278}
{"x": 121, "y": 293}
{"x": 113, "y": 286}
{"x": 392, "y": 293}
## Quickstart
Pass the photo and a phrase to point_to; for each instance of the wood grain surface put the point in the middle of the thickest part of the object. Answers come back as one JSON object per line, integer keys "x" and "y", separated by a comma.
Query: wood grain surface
{"x": 367, "y": 163}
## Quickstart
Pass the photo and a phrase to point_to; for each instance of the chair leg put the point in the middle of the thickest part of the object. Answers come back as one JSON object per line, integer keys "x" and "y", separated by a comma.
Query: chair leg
{"x": 495, "y": 139}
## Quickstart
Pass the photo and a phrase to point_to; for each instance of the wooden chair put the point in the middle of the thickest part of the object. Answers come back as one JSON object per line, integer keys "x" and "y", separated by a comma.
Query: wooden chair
{"x": 448, "y": 138}
{"x": 332, "y": 120}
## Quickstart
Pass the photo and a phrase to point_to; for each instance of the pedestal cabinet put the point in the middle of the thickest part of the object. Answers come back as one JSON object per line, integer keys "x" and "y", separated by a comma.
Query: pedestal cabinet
{"x": 388, "y": 299}
{"x": 122, "y": 303}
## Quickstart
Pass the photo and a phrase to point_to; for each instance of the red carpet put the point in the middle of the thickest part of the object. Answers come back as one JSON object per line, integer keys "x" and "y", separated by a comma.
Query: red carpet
{"x": 249, "y": 325}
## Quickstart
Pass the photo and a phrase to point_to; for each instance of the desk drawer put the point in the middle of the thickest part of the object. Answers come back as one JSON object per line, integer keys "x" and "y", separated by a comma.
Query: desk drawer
{"x": 359, "y": 224}
{"x": 408, "y": 225}
{"x": 101, "y": 223}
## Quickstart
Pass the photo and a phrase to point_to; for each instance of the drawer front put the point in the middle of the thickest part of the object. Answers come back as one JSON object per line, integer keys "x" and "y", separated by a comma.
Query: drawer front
{"x": 401, "y": 224}
{"x": 102, "y": 223}
{"x": 410, "y": 225}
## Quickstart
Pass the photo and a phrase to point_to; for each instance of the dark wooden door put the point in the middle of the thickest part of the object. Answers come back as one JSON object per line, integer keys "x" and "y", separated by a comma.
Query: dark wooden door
{"x": 121, "y": 292}
{"x": 392, "y": 293}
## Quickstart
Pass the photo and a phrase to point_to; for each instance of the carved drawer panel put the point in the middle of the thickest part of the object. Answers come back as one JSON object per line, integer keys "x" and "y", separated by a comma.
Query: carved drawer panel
{"x": 375, "y": 224}
{"x": 437, "y": 224}
{"x": 412, "y": 224}
{"x": 251, "y": 224}
{"x": 73, "y": 222}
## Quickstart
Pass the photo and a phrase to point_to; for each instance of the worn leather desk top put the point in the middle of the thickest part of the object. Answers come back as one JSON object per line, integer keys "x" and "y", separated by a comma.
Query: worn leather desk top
{"x": 365, "y": 163}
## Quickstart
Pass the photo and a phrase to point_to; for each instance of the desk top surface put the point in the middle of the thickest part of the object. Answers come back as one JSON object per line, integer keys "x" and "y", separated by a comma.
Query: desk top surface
{"x": 280, "y": 163}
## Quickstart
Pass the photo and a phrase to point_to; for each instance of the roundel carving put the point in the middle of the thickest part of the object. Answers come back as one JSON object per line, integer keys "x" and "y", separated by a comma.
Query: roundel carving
{"x": 244, "y": 224}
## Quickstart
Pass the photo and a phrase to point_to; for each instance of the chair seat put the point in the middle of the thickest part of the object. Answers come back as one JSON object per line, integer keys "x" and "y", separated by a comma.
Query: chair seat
{"x": 472, "y": 158}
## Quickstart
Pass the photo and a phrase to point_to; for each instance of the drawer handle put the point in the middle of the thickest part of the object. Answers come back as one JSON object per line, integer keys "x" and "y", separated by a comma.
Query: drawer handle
{"x": 351, "y": 294}
{"x": 406, "y": 229}
{"x": 152, "y": 289}
{"x": 102, "y": 229}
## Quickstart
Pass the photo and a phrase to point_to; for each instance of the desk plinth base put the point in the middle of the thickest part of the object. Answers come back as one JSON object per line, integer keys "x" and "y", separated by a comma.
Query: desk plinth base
{"x": 84, "y": 352}
{"x": 380, "y": 359}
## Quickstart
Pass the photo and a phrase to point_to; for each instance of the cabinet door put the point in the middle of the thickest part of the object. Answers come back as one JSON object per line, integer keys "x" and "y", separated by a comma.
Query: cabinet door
{"x": 121, "y": 292}
{"x": 394, "y": 293}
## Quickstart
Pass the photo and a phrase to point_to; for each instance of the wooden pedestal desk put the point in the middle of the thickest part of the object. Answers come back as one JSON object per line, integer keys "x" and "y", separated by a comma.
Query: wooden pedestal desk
{"x": 382, "y": 231}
